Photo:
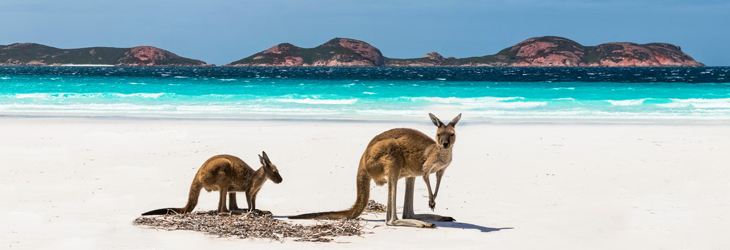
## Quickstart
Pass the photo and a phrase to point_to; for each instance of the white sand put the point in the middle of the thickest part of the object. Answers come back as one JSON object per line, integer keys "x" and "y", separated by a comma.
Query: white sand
{"x": 72, "y": 183}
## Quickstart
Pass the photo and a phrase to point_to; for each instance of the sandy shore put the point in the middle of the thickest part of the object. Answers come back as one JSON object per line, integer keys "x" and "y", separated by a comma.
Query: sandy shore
{"x": 75, "y": 183}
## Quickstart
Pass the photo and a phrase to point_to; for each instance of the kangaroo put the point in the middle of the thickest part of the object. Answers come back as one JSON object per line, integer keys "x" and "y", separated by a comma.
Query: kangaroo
{"x": 228, "y": 174}
{"x": 395, "y": 154}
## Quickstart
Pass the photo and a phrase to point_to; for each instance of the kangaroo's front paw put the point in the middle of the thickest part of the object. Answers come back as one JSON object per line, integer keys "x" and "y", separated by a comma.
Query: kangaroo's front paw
{"x": 432, "y": 204}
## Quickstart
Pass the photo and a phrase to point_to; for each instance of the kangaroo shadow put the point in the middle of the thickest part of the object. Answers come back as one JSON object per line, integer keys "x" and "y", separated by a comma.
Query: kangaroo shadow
{"x": 456, "y": 224}
{"x": 464, "y": 225}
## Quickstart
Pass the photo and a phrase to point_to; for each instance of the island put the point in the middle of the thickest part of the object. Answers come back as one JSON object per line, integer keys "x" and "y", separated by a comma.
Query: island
{"x": 547, "y": 51}
{"x": 39, "y": 54}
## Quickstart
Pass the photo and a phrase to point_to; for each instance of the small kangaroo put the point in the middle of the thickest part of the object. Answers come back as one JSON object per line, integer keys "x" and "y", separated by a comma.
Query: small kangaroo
{"x": 228, "y": 174}
{"x": 395, "y": 154}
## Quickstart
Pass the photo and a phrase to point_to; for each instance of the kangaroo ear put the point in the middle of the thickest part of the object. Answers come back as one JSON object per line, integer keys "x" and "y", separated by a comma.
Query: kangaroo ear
{"x": 435, "y": 120}
{"x": 455, "y": 120}
{"x": 261, "y": 159}
{"x": 266, "y": 157}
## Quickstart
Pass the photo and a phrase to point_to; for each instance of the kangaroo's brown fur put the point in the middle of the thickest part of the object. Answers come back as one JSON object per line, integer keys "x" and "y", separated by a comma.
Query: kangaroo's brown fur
{"x": 395, "y": 154}
{"x": 227, "y": 174}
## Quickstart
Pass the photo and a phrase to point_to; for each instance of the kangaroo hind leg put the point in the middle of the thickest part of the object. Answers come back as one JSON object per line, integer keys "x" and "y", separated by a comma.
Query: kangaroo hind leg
{"x": 232, "y": 204}
{"x": 222, "y": 200}
{"x": 391, "y": 214}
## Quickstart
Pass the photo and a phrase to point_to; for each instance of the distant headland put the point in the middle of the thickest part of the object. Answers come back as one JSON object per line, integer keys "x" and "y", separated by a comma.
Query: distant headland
{"x": 547, "y": 51}
{"x": 38, "y": 54}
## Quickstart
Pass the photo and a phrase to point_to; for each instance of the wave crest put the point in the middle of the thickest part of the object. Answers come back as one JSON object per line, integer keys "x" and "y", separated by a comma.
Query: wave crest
{"x": 320, "y": 101}
{"x": 483, "y": 102}
{"x": 697, "y": 103}
{"x": 82, "y": 95}
{"x": 626, "y": 102}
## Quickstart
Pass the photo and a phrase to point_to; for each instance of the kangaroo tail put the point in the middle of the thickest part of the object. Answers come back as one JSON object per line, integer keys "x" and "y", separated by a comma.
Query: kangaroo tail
{"x": 363, "y": 194}
{"x": 192, "y": 202}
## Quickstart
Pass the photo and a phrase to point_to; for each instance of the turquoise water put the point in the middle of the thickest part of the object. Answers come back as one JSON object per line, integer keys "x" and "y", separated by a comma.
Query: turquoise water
{"x": 265, "y": 98}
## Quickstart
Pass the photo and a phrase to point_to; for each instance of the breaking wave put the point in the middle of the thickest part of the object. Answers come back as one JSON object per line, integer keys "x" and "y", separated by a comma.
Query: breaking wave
{"x": 721, "y": 103}
{"x": 626, "y": 102}
{"x": 82, "y": 95}
{"x": 483, "y": 102}
{"x": 319, "y": 101}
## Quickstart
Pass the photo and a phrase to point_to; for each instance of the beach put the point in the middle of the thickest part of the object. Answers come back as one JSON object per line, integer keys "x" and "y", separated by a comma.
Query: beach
{"x": 78, "y": 182}
{"x": 556, "y": 125}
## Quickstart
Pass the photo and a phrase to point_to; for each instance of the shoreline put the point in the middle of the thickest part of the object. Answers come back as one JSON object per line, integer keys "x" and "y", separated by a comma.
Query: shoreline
{"x": 465, "y": 122}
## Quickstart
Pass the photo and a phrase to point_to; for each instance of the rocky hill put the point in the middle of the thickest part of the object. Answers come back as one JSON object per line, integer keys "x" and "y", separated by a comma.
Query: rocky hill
{"x": 558, "y": 51}
{"x": 38, "y": 54}
{"x": 548, "y": 51}
{"x": 335, "y": 52}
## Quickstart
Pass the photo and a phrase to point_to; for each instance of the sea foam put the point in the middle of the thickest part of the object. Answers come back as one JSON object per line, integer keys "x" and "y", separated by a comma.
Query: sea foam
{"x": 627, "y": 102}
{"x": 81, "y": 95}
{"x": 483, "y": 102}
{"x": 721, "y": 103}
{"x": 320, "y": 101}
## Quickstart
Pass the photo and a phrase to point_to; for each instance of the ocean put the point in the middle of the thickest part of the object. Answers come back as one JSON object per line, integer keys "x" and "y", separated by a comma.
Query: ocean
{"x": 481, "y": 94}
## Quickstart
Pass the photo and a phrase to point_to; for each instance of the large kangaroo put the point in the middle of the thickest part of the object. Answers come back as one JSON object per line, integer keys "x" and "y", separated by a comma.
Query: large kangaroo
{"x": 401, "y": 153}
{"x": 228, "y": 174}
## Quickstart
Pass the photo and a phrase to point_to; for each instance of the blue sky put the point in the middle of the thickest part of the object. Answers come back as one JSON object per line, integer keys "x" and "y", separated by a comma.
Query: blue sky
{"x": 224, "y": 31}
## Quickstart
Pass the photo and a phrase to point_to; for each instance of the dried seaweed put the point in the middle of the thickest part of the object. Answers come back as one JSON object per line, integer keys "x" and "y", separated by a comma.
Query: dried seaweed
{"x": 250, "y": 225}
{"x": 375, "y": 207}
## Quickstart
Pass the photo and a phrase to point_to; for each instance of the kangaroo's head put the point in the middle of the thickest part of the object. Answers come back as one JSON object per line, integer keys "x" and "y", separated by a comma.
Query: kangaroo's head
{"x": 445, "y": 135}
{"x": 270, "y": 169}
